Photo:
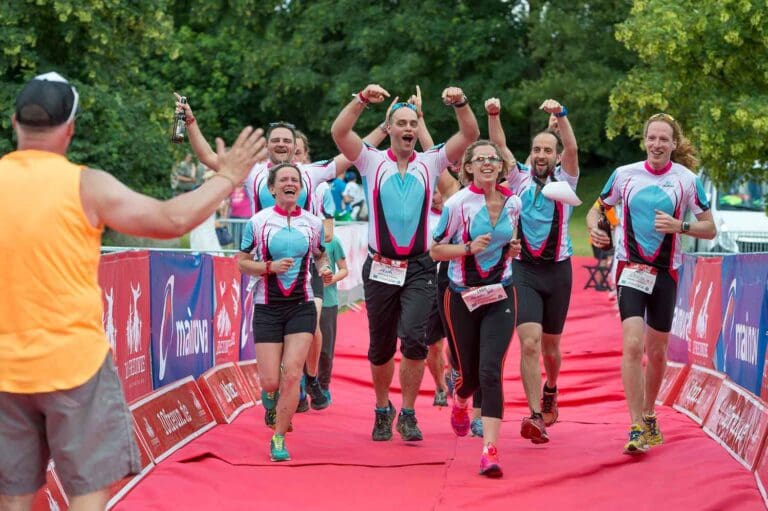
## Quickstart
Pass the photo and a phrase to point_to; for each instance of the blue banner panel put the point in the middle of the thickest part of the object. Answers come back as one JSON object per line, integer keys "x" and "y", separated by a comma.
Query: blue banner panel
{"x": 677, "y": 350}
{"x": 742, "y": 343}
{"x": 247, "y": 347}
{"x": 182, "y": 312}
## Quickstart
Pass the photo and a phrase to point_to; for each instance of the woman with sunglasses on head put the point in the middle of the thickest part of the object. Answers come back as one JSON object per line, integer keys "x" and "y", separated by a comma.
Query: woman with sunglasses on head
{"x": 279, "y": 245}
{"x": 655, "y": 196}
{"x": 476, "y": 234}
{"x": 543, "y": 274}
{"x": 399, "y": 275}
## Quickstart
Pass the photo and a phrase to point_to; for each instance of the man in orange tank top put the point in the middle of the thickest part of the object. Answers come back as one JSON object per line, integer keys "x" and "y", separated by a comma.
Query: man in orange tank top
{"x": 60, "y": 395}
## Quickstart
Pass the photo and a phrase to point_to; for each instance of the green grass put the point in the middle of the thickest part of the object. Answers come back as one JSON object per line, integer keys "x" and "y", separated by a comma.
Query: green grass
{"x": 591, "y": 182}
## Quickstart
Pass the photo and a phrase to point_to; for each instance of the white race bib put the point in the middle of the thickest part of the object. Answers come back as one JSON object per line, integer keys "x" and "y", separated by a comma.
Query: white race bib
{"x": 638, "y": 276}
{"x": 477, "y": 296}
{"x": 389, "y": 271}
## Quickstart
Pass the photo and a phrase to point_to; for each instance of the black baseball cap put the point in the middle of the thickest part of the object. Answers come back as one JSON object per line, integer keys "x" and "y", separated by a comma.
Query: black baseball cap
{"x": 46, "y": 100}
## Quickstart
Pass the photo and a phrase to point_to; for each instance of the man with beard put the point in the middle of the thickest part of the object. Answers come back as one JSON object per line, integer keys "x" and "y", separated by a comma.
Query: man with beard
{"x": 542, "y": 271}
{"x": 399, "y": 275}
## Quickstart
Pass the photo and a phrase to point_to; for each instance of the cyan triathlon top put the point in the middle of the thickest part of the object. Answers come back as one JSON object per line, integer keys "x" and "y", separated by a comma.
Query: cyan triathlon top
{"x": 543, "y": 225}
{"x": 641, "y": 191}
{"x": 464, "y": 218}
{"x": 399, "y": 204}
{"x": 272, "y": 234}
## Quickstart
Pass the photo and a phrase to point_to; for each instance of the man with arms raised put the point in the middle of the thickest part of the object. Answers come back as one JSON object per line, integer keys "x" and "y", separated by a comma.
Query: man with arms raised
{"x": 399, "y": 275}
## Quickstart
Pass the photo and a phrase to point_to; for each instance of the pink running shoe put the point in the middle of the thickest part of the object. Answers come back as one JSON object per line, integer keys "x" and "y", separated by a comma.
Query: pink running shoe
{"x": 533, "y": 429}
{"x": 459, "y": 418}
{"x": 489, "y": 462}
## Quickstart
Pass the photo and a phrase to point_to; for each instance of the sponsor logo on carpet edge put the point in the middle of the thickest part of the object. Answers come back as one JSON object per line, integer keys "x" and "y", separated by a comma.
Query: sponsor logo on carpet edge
{"x": 698, "y": 392}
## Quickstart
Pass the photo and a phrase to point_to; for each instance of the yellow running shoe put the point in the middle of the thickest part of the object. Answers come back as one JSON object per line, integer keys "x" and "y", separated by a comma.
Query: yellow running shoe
{"x": 637, "y": 443}
{"x": 651, "y": 431}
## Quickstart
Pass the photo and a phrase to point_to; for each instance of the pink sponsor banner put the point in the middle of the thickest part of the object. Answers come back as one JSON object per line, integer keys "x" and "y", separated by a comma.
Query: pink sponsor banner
{"x": 698, "y": 392}
{"x": 228, "y": 311}
{"x": 250, "y": 371}
{"x": 738, "y": 421}
{"x": 705, "y": 316}
{"x": 51, "y": 496}
{"x": 121, "y": 488}
{"x": 674, "y": 377}
{"x": 124, "y": 281}
{"x": 225, "y": 391}
{"x": 171, "y": 417}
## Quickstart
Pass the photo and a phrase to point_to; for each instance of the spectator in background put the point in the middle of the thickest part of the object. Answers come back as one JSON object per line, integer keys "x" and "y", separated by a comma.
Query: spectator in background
{"x": 330, "y": 310}
{"x": 184, "y": 175}
{"x": 337, "y": 191}
{"x": 354, "y": 196}
{"x": 240, "y": 208}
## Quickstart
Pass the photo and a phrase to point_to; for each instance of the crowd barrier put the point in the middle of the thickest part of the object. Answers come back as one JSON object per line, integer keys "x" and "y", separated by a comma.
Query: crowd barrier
{"x": 716, "y": 373}
{"x": 178, "y": 326}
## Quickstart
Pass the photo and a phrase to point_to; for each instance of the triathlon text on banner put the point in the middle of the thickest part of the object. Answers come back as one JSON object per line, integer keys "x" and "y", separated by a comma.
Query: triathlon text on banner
{"x": 227, "y": 310}
{"x": 182, "y": 311}
{"x": 125, "y": 292}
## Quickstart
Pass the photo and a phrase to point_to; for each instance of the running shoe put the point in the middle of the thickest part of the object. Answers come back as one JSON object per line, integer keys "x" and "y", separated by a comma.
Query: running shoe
{"x": 303, "y": 405}
{"x": 459, "y": 418}
{"x": 651, "y": 430}
{"x": 327, "y": 393}
{"x": 277, "y": 450}
{"x": 549, "y": 407}
{"x": 476, "y": 427}
{"x": 408, "y": 427}
{"x": 382, "y": 426}
{"x": 489, "y": 462}
{"x": 533, "y": 429}
{"x": 441, "y": 398}
{"x": 317, "y": 398}
{"x": 637, "y": 443}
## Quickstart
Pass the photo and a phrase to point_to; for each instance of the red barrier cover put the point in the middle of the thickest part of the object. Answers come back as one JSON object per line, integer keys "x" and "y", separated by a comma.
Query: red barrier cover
{"x": 227, "y": 310}
{"x": 705, "y": 311}
{"x": 124, "y": 280}
{"x": 250, "y": 371}
{"x": 674, "y": 377}
{"x": 171, "y": 417}
{"x": 51, "y": 496}
{"x": 225, "y": 391}
{"x": 120, "y": 489}
{"x": 738, "y": 421}
{"x": 698, "y": 392}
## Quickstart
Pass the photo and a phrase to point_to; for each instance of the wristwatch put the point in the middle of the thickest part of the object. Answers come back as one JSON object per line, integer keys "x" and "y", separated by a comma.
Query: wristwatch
{"x": 685, "y": 227}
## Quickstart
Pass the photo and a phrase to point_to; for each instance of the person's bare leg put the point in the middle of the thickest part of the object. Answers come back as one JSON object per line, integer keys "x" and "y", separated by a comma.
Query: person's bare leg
{"x": 94, "y": 501}
{"x": 656, "y": 352}
{"x": 16, "y": 502}
{"x": 313, "y": 355}
{"x": 632, "y": 366}
{"x": 552, "y": 358}
{"x": 436, "y": 363}
{"x": 411, "y": 374}
{"x": 382, "y": 380}
{"x": 530, "y": 371}
{"x": 294, "y": 354}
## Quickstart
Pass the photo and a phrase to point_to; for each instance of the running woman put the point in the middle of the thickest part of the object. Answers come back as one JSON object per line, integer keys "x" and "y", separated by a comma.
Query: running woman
{"x": 399, "y": 274}
{"x": 654, "y": 195}
{"x": 476, "y": 233}
{"x": 543, "y": 268}
{"x": 279, "y": 244}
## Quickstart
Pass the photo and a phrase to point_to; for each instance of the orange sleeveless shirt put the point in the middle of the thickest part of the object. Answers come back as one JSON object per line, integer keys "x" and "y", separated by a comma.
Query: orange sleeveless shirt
{"x": 51, "y": 333}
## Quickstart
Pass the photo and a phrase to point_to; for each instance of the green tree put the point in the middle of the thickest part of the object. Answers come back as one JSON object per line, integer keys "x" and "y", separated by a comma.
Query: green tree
{"x": 702, "y": 63}
{"x": 101, "y": 47}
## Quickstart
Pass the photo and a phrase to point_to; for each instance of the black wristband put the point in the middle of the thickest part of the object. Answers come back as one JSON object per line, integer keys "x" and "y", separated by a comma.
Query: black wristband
{"x": 461, "y": 103}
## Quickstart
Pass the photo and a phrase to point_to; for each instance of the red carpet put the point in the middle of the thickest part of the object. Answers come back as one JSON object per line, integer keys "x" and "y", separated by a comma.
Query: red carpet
{"x": 337, "y": 467}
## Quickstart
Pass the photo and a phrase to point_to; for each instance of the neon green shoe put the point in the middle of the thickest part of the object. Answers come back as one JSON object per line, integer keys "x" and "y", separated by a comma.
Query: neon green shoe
{"x": 277, "y": 450}
{"x": 637, "y": 443}
{"x": 651, "y": 430}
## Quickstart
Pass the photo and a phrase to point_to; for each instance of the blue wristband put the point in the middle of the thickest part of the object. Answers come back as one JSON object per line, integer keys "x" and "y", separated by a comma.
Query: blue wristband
{"x": 563, "y": 113}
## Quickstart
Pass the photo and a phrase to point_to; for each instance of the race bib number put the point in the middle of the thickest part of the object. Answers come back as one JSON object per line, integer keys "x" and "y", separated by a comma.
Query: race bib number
{"x": 389, "y": 271}
{"x": 638, "y": 276}
{"x": 477, "y": 296}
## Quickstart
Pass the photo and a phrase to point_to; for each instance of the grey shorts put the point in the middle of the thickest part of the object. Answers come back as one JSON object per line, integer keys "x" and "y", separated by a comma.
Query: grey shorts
{"x": 87, "y": 431}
